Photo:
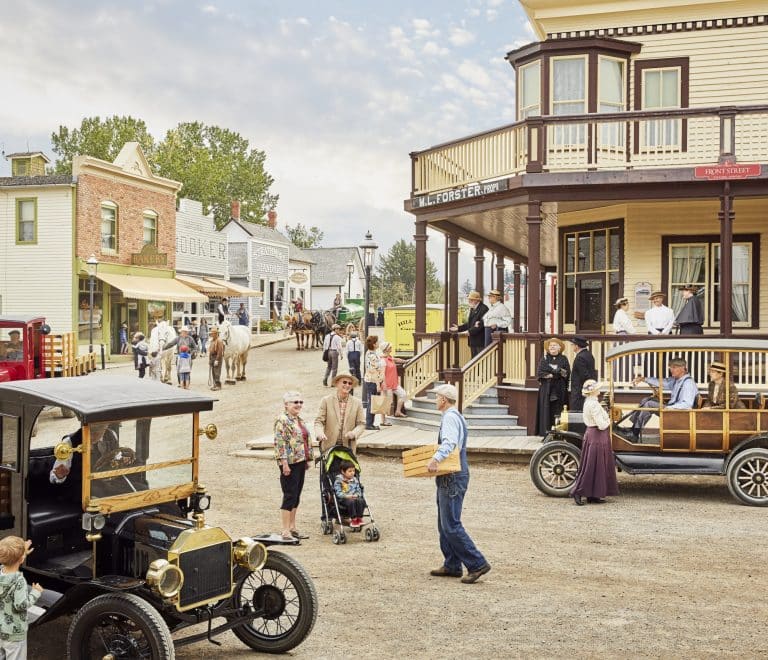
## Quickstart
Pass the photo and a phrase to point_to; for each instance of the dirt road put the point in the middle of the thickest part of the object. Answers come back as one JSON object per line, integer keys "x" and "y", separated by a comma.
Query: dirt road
{"x": 672, "y": 568}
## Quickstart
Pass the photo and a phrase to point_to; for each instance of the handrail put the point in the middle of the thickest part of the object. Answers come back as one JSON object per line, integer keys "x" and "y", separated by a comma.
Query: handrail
{"x": 422, "y": 370}
{"x": 479, "y": 374}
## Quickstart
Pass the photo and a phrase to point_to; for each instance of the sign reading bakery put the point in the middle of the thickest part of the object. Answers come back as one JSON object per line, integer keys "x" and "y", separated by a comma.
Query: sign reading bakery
{"x": 727, "y": 171}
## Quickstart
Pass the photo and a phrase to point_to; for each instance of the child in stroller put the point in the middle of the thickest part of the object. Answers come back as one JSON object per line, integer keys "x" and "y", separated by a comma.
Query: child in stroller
{"x": 339, "y": 480}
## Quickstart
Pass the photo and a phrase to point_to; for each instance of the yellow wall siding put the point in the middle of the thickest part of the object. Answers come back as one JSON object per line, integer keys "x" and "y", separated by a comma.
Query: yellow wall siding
{"x": 37, "y": 279}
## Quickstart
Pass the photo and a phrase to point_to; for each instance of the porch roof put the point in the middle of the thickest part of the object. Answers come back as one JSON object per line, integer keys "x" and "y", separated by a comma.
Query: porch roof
{"x": 151, "y": 288}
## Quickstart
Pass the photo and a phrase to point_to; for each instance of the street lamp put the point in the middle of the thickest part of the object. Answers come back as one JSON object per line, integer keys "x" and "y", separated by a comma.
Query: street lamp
{"x": 92, "y": 266}
{"x": 350, "y": 270}
{"x": 369, "y": 252}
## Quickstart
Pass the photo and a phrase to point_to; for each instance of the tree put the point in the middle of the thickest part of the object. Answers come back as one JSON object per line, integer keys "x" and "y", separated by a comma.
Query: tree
{"x": 217, "y": 166}
{"x": 466, "y": 288}
{"x": 99, "y": 138}
{"x": 394, "y": 282}
{"x": 304, "y": 237}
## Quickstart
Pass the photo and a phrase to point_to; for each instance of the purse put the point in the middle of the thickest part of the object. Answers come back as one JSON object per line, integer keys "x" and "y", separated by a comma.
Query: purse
{"x": 325, "y": 355}
{"x": 380, "y": 404}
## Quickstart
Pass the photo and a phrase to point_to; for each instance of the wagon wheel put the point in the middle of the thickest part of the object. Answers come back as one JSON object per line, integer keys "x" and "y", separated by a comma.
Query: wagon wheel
{"x": 119, "y": 625}
{"x": 747, "y": 476}
{"x": 284, "y": 599}
{"x": 554, "y": 467}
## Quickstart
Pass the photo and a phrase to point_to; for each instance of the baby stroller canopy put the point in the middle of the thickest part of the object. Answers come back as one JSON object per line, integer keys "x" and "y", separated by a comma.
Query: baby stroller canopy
{"x": 339, "y": 453}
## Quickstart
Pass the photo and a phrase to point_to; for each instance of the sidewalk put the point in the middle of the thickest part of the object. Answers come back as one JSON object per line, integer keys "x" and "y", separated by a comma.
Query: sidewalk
{"x": 392, "y": 440}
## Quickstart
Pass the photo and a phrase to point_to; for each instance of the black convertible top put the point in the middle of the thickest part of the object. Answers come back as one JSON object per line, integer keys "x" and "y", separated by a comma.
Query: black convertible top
{"x": 105, "y": 398}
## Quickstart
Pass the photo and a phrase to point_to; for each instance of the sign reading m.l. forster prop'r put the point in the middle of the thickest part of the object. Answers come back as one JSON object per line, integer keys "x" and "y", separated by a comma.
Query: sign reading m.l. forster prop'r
{"x": 458, "y": 194}
{"x": 727, "y": 171}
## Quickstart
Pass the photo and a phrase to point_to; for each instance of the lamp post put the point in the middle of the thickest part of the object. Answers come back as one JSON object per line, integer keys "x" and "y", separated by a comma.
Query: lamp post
{"x": 350, "y": 270}
{"x": 92, "y": 265}
{"x": 368, "y": 248}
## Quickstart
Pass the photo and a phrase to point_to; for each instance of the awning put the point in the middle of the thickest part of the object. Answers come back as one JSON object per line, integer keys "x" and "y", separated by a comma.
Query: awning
{"x": 235, "y": 289}
{"x": 201, "y": 285}
{"x": 152, "y": 288}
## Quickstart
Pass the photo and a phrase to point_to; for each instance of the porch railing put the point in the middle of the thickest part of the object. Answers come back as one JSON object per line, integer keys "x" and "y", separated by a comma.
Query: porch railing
{"x": 422, "y": 370}
{"x": 622, "y": 140}
{"x": 478, "y": 375}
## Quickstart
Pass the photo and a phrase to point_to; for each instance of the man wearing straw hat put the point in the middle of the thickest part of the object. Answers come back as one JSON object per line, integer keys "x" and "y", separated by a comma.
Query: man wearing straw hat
{"x": 659, "y": 318}
{"x": 474, "y": 325}
{"x": 340, "y": 419}
{"x": 498, "y": 317}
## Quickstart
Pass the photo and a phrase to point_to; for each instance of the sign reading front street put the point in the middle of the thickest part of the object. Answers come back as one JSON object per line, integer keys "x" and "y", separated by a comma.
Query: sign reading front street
{"x": 458, "y": 194}
{"x": 727, "y": 171}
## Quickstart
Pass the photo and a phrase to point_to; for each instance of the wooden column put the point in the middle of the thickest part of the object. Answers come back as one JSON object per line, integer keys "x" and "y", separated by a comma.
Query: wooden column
{"x": 452, "y": 285}
{"x": 446, "y": 277}
{"x": 420, "y": 321}
{"x": 516, "y": 305}
{"x": 726, "y": 261}
{"x": 533, "y": 220}
{"x": 479, "y": 269}
{"x": 500, "y": 274}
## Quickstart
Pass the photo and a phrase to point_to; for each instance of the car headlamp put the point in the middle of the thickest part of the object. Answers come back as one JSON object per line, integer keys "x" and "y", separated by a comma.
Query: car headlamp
{"x": 165, "y": 578}
{"x": 250, "y": 554}
{"x": 93, "y": 522}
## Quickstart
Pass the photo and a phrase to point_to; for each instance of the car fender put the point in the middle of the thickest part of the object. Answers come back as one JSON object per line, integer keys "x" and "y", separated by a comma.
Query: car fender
{"x": 760, "y": 440}
{"x": 570, "y": 437}
{"x": 5, "y": 375}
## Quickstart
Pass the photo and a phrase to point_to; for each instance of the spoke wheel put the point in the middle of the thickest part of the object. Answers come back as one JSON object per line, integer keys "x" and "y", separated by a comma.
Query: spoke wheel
{"x": 284, "y": 598}
{"x": 119, "y": 626}
{"x": 748, "y": 477}
{"x": 554, "y": 467}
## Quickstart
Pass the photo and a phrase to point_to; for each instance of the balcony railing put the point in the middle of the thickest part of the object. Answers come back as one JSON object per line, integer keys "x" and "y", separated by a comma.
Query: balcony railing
{"x": 615, "y": 141}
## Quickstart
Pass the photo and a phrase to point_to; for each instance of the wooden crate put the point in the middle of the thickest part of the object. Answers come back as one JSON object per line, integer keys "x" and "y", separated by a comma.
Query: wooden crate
{"x": 415, "y": 462}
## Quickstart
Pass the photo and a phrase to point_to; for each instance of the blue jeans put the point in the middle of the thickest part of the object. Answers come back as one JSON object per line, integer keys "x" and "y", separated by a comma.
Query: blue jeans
{"x": 456, "y": 545}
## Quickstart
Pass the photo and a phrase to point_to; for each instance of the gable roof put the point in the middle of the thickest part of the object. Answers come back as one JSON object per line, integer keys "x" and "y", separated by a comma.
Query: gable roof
{"x": 297, "y": 254}
{"x": 331, "y": 265}
{"x": 259, "y": 231}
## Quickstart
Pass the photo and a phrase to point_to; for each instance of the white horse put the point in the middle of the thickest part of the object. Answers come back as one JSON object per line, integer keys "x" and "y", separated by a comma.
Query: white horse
{"x": 237, "y": 342}
{"x": 162, "y": 339}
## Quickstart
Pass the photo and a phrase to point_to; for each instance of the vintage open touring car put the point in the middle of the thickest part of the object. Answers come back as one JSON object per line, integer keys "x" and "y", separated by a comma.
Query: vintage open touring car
{"x": 729, "y": 439}
{"x": 116, "y": 515}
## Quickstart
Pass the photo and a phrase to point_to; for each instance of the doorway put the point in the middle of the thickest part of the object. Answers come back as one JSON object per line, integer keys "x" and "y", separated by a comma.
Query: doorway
{"x": 590, "y": 304}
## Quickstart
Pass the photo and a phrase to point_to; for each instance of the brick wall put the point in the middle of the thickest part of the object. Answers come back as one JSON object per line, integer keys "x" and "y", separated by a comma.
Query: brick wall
{"x": 132, "y": 201}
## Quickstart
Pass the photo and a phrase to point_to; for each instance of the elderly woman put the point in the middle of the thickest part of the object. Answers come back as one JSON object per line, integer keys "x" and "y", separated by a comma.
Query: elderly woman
{"x": 553, "y": 373}
{"x": 392, "y": 385}
{"x": 294, "y": 455}
{"x": 597, "y": 471}
{"x": 622, "y": 323}
{"x": 373, "y": 377}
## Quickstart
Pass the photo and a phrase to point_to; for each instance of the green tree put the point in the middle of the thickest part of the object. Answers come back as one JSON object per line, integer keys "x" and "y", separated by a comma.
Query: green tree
{"x": 304, "y": 237}
{"x": 98, "y": 138}
{"x": 394, "y": 282}
{"x": 466, "y": 288}
{"x": 216, "y": 166}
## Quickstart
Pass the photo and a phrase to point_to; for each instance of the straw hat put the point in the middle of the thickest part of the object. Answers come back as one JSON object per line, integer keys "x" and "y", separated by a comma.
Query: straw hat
{"x": 557, "y": 341}
{"x": 591, "y": 387}
{"x": 689, "y": 287}
{"x": 495, "y": 292}
{"x": 474, "y": 295}
{"x": 657, "y": 294}
{"x": 345, "y": 374}
{"x": 717, "y": 366}
{"x": 621, "y": 301}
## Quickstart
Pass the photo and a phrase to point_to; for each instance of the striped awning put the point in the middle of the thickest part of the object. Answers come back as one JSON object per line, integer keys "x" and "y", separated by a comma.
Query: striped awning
{"x": 152, "y": 288}
{"x": 235, "y": 289}
{"x": 201, "y": 285}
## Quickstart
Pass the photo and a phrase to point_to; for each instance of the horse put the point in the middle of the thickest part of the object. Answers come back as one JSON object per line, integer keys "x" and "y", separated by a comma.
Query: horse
{"x": 163, "y": 339}
{"x": 321, "y": 325}
{"x": 300, "y": 324}
{"x": 237, "y": 343}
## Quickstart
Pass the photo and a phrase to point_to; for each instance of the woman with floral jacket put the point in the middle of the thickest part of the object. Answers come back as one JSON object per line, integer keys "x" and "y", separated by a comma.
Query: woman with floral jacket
{"x": 293, "y": 452}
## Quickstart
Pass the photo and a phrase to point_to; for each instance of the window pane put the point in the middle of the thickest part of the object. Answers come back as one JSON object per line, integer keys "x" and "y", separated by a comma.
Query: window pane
{"x": 611, "y": 81}
{"x": 569, "y": 300}
{"x": 570, "y": 253}
{"x": 108, "y": 216}
{"x": 530, "y": 89}
{"x": 584, "y": 248}
{"x": 9, "y": 442}
{"x": 150, "y": 229}
{"x": 569, "y": 78}
{"x": 670, "y": 88}
{"x": 27, "y": 211}
{"x": 615, "y": 252}
{"x": 652, "y": 89}
{"x": 598, "y": 258}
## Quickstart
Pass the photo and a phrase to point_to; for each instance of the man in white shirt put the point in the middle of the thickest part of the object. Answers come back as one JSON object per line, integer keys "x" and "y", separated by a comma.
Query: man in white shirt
{"x": 498, "y": 318}
{"x": 659, "y": 318}
{"x": 335, "y": 346}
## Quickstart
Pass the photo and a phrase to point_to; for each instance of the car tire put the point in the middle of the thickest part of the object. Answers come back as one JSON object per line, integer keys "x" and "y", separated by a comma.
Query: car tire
{"x": 285, "y": 595}
{"x": 747, "y": 476}
{"x": 554, "y": 467}
{"x": 102, "y": 626}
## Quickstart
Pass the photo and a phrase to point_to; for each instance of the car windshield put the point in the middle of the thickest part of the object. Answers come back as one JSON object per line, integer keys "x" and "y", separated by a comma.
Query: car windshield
{"x": 11, "y": 346}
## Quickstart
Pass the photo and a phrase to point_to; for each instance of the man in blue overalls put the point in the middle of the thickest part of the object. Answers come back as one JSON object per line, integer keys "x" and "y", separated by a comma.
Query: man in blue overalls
{"x": 457, "y": 546}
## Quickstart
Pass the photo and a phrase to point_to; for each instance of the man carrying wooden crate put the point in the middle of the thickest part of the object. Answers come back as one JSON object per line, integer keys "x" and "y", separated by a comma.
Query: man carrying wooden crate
{"x": 456, "y": 545}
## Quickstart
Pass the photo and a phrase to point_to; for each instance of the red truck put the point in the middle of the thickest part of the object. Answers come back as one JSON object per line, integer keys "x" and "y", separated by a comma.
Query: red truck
{"x": 21, "y": 347}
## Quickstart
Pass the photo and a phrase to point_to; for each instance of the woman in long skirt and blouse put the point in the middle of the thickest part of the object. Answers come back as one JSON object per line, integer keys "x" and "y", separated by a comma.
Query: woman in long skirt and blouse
{"x": 597, "y": 473}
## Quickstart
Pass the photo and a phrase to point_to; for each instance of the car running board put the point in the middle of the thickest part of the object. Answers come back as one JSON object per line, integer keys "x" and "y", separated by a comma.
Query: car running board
{"x": 669, "y": 463}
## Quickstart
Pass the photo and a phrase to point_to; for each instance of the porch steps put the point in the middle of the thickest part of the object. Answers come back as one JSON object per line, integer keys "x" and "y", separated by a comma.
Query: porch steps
{"x": 486, "y": 417}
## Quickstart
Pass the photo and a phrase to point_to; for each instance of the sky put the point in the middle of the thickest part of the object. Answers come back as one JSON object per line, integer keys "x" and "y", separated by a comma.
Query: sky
{"x": 336, "y": 92}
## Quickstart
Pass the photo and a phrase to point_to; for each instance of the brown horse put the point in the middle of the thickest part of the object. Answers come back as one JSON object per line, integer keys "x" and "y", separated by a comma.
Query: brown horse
{"x": 299, "y": 325}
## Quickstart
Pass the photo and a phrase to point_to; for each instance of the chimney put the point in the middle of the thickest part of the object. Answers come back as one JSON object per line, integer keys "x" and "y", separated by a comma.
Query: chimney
{"x": 272, "y": 219}
{"x": 235, "y": 213}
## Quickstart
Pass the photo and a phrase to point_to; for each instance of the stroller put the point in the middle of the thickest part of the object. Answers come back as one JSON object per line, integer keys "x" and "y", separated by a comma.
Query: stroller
{"x": 334, "y": 517}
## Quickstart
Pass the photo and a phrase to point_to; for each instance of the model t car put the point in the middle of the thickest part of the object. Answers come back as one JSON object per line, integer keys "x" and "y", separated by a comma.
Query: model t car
{"x": 727, "y": 436}
{"x": 116, "y": 515}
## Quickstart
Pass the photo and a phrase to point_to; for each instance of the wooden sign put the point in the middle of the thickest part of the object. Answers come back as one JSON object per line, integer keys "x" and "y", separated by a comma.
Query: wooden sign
{"x": 298, "y": 278}
{"x": 149, "y": 256}
{"x": 727, "y": 171}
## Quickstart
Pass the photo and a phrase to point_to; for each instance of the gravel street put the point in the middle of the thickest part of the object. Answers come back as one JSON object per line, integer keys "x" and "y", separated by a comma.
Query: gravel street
{"x": 673, "y": 567}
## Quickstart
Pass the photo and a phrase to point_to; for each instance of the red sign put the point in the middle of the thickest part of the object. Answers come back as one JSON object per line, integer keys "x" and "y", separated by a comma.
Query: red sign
{"x": 727, "y": 171}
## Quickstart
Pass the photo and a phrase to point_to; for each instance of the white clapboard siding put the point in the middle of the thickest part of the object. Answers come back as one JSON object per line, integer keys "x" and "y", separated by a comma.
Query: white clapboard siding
{"x": 38, "y": 279}
{"x": 200, "y": 249}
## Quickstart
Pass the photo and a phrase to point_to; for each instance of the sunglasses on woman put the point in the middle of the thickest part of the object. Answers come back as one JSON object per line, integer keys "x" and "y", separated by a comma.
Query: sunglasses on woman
{"x": 297, "y": 402}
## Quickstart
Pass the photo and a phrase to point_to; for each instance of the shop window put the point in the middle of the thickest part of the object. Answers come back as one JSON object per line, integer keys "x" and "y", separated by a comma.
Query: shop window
{"x": 108, "y": 227}
{"x": 84, "y": 310}
{"x": 150, "y": 228}
{"x": 26, "y": 220}
{"x": 264, "y": 292}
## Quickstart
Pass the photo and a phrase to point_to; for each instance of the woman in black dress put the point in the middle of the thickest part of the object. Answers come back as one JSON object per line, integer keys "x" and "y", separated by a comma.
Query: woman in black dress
{"x": 553, "y": 373}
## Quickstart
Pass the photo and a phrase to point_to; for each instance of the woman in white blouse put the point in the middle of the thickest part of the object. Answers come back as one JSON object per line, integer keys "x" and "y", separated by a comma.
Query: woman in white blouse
{"x": 622, "y": 323}
{"x": 597, "y": 472}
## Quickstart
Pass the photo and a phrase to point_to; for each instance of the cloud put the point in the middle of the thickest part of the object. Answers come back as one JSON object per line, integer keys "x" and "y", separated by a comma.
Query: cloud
{"x": 461, "y": 37}
{"x": 400, "y": 42}
{"x": 432, "y": 48}
{"x": 209, "y": 9}
{"x": 422, "y": 29}
{"x": 475, "y": 74}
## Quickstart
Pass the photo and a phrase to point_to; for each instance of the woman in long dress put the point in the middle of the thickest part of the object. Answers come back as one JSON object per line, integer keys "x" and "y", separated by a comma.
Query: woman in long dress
{"x": 597, "y": 472}
{"x": 553, "y": 373}
{"x": 622, "y": 323}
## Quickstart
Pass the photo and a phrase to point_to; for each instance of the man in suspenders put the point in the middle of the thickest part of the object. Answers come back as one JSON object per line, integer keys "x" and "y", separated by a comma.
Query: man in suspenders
{"x": 456, "y": 545}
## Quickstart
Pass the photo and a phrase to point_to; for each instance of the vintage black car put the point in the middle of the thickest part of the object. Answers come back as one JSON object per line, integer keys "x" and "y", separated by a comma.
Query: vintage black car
{"x": 727, "y": 438}
{"x": 116, "y": 515}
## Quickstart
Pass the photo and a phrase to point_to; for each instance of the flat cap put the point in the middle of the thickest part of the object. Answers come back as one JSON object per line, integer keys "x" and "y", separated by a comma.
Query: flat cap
{"x": 448, "y": 391}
